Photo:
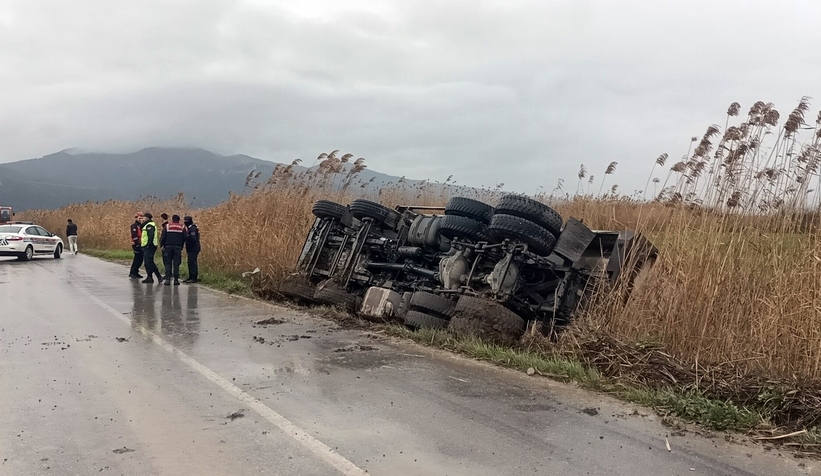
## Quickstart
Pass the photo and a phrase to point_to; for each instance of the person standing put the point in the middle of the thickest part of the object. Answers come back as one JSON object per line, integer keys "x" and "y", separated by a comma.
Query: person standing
{"x": 71, "y": 234}
{"x": 164, "y": 226}
{"x": 136, "y": 246}
{"x": 192, "y": 249}
{"x": 149, "y": 241}
{"x": 172, "y": 241}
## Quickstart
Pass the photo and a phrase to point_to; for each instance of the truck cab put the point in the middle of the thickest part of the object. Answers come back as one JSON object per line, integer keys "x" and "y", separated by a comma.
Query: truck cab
{"x": 6, "y": 214}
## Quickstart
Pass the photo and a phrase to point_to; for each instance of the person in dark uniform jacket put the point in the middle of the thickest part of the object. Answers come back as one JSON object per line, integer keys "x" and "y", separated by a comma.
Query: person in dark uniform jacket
{"x": 164, "y": 225}
{"x": 172, "y": 242}
{"x": 192, "y": 249}
{"x": 136, "y": 238}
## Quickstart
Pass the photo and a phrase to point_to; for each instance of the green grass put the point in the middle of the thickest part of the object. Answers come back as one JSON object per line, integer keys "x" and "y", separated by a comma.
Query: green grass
{"x": 555, "y": 367}
{"x": 207, "y": 277}
{"x": 695, "y": 407}
{"x": 110, "y": 255}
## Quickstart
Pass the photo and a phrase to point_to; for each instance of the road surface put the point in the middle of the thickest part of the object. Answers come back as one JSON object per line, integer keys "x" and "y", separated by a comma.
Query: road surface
{"x": 103, "y": 375}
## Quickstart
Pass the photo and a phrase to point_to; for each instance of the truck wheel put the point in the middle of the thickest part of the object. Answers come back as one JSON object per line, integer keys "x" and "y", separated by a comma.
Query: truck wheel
{"x": 454, "y": 226}
{"x": 297, "y": 288}
{"x": 381, "y": 215}
{"x": 538, "y": 239}
{"x": 487, "y": 320}
{"x": 531, "y": 210}
{"x": 327, "y": 209}
{"x": 430, "y": 303}
{"x": 468, "y": 208}
{"x": 418, "y": 320}
{"x": 330, "y": 294}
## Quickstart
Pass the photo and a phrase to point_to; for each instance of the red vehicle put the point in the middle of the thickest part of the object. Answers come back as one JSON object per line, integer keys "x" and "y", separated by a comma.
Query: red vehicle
{"x": 5, "y": 214}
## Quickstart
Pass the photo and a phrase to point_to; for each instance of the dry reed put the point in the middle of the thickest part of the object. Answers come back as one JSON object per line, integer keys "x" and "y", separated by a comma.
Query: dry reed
{"x": 737, "y": 281}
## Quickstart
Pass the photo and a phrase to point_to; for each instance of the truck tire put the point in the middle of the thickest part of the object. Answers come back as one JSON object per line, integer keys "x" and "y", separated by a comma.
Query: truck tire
{"x": 418, "y": 320}
{"x": 487, "y": 320}
{"x": 531, "y": 210}
{"x": 454, "y": 226}
{"x": 538, "y": 240}
{"x": 297, "y": 288}
{"x": 468, "y": 208}
{"x": 380, "y": 214}
{"x": 327, "y": 209}
{"x": 331, "y": 295}
{"x": 430, "y": 303}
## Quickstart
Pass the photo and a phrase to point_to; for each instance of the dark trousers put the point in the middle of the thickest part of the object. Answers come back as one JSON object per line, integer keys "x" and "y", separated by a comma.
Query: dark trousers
{"x": 150, "y": 266}
{"x": 193, "y": 266}
{"x": 166, "y": 262}
{"x": 137, "y": 262}
{"x": 173, "y": 259}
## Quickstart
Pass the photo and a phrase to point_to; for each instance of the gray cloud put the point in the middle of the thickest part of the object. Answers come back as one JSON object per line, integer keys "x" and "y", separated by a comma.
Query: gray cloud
{"x": 489, "y": 91}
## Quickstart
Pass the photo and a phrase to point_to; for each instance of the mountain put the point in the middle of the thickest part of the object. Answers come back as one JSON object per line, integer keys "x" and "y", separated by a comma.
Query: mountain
{"x": 205, "y": 178}
{"x": 58, "y": 179}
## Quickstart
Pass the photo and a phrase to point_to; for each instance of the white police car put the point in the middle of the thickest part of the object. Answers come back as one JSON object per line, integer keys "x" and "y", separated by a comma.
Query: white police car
{"x": 27, "y": 240}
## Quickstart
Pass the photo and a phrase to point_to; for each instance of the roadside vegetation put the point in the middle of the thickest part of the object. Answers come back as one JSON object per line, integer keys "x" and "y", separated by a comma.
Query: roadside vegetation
{"x": 726, "y": 328}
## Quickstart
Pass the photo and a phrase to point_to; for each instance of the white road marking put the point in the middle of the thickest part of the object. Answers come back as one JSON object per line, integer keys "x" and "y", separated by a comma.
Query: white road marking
{"x": 320, "y": 449}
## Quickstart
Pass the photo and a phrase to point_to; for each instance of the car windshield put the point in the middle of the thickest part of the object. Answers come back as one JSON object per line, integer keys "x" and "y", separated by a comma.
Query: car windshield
{"x": 5, "y": 215}
{"x": 10, "y": 229}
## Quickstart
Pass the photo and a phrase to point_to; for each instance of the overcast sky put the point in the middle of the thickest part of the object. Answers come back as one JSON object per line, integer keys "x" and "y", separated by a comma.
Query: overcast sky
{"x": 519, "y": 92}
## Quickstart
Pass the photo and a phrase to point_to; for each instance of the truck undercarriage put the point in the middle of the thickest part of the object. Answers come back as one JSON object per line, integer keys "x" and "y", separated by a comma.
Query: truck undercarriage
{"x": 468, "y": 267}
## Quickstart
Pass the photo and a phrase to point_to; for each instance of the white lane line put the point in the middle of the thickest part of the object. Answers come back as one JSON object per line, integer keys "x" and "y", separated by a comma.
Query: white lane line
{"x": 317, "y": 447}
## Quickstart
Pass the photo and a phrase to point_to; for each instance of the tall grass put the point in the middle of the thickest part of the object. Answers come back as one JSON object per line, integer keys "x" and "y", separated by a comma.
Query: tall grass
{"x": 738, "y": 281}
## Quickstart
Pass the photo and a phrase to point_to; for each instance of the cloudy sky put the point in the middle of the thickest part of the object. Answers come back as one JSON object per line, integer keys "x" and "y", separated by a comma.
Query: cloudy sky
{"x": 520, "y": 93}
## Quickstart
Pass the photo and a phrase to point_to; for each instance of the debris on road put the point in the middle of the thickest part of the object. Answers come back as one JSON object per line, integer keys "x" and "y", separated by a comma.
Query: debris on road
{"x": 122, "y": 339}
{"x": 122, "y": 450}
{"x": 269, "y": 322}
{"x": 354, "y": 348}
{"x": 237, "y": 414}
{"x": 590, "y": 411}
{"x": 780, "y": 437}
{"x": 245, "y": 274}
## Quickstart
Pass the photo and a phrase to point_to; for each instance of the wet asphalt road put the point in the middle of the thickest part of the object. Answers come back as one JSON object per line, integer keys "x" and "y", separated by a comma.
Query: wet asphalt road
{"x": 103, "y": 375}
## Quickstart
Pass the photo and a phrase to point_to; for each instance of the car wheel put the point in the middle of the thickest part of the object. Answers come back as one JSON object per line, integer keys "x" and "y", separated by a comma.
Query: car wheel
{"x": 28, "y": 254}
{"x": 58, "y": 251}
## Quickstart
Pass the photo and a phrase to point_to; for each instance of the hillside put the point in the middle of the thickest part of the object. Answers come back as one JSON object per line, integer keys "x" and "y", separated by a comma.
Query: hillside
{"x": 204, "y": 177}
{"x": 57, "y": 179}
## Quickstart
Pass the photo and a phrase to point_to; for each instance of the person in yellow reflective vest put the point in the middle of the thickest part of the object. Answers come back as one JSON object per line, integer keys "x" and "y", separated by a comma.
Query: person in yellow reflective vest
{"x": 149, "y": 241}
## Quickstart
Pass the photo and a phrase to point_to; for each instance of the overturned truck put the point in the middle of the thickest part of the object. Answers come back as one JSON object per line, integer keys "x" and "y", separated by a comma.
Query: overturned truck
{"x": 469, "y": 267}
